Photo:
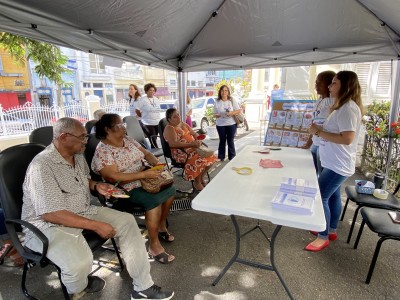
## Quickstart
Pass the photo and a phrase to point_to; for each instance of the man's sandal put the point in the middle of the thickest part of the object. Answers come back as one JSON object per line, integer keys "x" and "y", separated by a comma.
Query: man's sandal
{"x": 166, "y": 236}
{"x": 4, "y": 251}
{"x": 161, "y": 258}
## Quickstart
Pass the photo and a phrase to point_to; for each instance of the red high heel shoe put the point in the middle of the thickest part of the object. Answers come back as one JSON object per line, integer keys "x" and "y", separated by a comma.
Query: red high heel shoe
{"x": 312, "y": 248}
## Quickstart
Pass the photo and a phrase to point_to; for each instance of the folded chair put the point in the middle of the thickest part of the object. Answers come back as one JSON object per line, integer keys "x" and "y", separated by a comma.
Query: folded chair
{"x": 369, "y": 201}
{"x": 168, "y": 155}
{"x": 379, "y": 221}
{"x": 42, "y": 135}
{"x": 14, "y": 162}
{"x": 135, "y": 131}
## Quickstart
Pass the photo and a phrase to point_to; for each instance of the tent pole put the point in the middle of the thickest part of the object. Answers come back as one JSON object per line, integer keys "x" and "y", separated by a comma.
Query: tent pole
{"x": 394, "y": 115}
{"x": 182, "y": 92}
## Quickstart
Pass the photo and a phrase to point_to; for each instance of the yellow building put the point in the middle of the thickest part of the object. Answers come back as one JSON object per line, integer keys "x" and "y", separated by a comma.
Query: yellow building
{"x": 14, "y": 81}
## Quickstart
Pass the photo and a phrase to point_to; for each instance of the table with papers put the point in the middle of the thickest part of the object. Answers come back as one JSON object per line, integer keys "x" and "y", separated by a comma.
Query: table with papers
{"x": 230, "y": 193}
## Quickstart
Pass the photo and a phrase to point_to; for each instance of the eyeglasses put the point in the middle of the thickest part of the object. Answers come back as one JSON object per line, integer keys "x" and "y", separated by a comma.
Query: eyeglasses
{"x": 83, "y": 137}
{"x": 120, "y": 125}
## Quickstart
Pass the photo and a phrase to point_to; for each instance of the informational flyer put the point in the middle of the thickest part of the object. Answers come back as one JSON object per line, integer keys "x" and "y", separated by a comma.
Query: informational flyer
{"x": 289, "y": 122}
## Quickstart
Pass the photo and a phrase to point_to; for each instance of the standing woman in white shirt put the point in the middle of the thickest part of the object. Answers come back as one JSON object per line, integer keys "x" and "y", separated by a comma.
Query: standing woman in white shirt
{"x": 149, "y": 110}
{"x": 224, "y": 109}
{"x": 338, "y": 149}
{"x": 134, "y": 97}
{"x": 322, "y": 109}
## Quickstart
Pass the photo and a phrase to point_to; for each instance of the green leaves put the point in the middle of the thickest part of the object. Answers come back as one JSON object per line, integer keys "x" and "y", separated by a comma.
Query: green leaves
{"x": 49, "y": 59}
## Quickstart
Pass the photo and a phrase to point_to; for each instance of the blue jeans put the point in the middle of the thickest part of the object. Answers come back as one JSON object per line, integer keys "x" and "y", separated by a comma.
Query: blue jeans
{"x": 317, "y": 161}
{"x": 226, "y": 136}
{"x": 329, "y": 185}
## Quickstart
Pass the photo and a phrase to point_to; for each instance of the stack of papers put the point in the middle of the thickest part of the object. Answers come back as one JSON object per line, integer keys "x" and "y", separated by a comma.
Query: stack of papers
{"x": 299, "y": 186}
{"x": 298, "y": 204}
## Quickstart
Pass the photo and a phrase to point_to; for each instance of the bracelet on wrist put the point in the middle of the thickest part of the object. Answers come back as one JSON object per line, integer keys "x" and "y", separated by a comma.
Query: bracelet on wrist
{"x": 317, "y": 132}
{"x": 95, "y": 185}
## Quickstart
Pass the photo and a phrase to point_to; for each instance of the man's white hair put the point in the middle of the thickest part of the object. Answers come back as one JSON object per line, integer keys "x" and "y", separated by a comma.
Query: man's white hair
{"x": 98, "y": 114}
{"x": 64, "y": 125}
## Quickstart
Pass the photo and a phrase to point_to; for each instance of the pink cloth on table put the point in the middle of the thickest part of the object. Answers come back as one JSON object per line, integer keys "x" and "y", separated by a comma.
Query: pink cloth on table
{"x": 270, "y": 163}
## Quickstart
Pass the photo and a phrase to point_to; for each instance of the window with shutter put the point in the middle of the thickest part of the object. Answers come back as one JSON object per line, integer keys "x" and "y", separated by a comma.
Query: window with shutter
{"x": 384, "y": 74}
{"x": 363, "y": 70}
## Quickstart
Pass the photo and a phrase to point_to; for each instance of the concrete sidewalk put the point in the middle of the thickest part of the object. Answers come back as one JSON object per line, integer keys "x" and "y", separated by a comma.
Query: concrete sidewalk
{"x": 205, "y": 242}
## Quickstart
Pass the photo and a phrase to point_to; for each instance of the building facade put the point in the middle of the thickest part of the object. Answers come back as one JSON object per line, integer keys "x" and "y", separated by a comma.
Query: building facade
{"x": 15, "y": 88}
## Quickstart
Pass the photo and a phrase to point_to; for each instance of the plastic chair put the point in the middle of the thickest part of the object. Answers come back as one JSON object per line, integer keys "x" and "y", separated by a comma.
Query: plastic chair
{"x": 369, "y": 201}
{"x": 135, "y": 131}
{"x": 379, "y": 221}
{"x": 14, "y": 162}
{"x": 42, "y": 135}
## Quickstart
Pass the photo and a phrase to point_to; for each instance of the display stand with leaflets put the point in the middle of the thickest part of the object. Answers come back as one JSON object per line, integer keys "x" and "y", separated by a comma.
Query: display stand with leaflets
{"x": 288, "y": 123}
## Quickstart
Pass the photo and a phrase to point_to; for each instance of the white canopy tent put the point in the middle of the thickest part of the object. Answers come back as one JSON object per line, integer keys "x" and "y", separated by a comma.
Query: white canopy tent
{"x": 196, "y": 35}
{"x": 192, "y": 35}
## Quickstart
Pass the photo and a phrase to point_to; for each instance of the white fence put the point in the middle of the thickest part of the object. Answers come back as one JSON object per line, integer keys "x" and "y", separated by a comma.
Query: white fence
{"x": 23, "y": 119}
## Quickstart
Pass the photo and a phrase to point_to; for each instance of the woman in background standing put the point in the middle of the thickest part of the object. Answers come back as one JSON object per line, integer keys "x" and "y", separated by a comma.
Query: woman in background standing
{"x": 322, "y": 109}
{"x": 134, "y": 97}
{"x": 149, "y": 109}
{"x": 224, "y": 109}
{"x": 188, "y": 110}
{"x": 338, "y": 149}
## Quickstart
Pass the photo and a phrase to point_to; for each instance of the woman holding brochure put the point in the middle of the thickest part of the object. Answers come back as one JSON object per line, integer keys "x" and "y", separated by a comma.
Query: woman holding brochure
{"x": 338, "y": 146}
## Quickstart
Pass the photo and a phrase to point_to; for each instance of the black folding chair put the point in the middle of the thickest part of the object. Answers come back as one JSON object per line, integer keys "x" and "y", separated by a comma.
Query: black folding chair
{"x": 14, "y": 162}
{"x": 369, "y": 201}
{"x": 42, "y": 135}
{"x": 379, "y": 221}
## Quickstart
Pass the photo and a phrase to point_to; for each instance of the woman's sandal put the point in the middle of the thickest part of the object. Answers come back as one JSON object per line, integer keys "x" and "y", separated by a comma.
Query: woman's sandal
{"x": 162, "y": 257}
{"x": 166, "y": 236}
{"x": 4, "y": 251}
{"x": 9, "y": 251}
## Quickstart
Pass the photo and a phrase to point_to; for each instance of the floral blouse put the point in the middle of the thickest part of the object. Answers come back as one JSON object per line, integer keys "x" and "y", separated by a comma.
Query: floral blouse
{"x": 127, "y": 158}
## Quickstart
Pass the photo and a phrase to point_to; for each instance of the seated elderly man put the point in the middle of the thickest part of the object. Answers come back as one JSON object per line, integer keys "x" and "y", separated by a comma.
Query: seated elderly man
{"x": 57, "y": 200}
{"x": 97, "y": 116}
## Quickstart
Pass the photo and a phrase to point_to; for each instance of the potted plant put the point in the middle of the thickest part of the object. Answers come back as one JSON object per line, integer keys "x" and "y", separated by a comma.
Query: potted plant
{"x": 211, "y": 129}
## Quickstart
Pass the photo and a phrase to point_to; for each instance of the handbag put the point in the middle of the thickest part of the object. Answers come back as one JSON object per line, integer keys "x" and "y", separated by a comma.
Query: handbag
{"x": 204, "y": 152}
{"x": 155, "y": 185}
{"x": 239, "y": 119}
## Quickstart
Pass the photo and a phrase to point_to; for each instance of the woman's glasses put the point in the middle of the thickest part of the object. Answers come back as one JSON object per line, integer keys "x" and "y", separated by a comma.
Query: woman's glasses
{"x": 120, "y": 125}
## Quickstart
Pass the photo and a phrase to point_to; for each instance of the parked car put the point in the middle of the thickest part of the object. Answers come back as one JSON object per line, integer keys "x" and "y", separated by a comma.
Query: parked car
{"x": 199, "y": 107}
{"x": 164, "y": 105}
{"x": 16, "y": 125}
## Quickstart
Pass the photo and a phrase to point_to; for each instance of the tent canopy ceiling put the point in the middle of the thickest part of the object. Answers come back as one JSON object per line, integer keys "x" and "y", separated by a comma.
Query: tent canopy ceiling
{"x": 192, "y": 35}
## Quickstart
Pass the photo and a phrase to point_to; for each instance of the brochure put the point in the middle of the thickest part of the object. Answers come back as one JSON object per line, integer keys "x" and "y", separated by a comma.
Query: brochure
{"x": 298, "y": 204}
{"x": 299, "y": 186}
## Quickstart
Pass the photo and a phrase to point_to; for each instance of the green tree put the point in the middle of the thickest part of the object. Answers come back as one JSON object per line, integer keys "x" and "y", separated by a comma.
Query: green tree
{"x": 50, "y": 62}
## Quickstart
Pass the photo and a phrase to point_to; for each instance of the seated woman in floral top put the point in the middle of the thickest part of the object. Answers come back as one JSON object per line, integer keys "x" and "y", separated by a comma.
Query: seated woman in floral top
{"x": 118, "y": 158}
{"x": 180, "y": 136}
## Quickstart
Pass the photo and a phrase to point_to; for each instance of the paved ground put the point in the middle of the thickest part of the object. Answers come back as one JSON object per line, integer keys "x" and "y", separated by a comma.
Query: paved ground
{"x": 204, "y": 244}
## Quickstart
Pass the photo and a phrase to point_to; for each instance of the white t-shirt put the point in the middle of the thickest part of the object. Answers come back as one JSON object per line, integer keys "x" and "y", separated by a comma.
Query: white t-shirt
{"x": 150, "y": 109}
{"x": 132, "y": 106}
{"x": 322, "y": 109}
{"x": 338, "y": 157}
{"x": 221, "y": 107}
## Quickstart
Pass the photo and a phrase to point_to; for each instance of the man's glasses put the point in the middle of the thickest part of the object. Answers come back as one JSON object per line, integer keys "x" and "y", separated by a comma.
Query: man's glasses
{"x": 83, "y": 137}
{"x": 120, "y": 125}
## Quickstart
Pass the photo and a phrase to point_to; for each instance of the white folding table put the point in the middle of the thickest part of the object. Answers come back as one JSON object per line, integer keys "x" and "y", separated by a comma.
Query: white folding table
{"x": 230, "y": 193}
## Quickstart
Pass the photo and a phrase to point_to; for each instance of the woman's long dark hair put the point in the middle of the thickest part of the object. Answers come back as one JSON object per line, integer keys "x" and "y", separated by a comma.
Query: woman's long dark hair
{"x": 137, "y": 94}
{"x": 106, "y": 121}
{"x": 350, "y": 89}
